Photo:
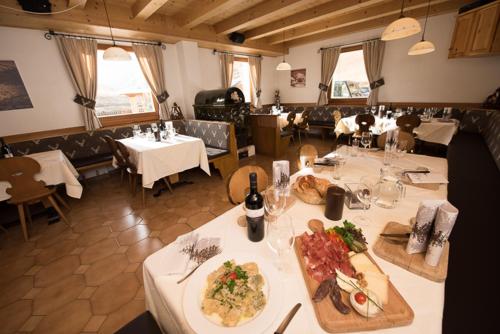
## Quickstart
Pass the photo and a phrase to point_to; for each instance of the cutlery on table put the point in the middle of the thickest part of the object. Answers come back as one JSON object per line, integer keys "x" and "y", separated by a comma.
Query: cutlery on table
{"x": 395, "y": 235}
{"x": 421, "y": 170}
{"x": 288, "y": 318}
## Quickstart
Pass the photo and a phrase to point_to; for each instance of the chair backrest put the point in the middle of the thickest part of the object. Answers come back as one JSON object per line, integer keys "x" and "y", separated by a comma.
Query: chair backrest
{"x": 337, "y": 116}
{"x": 20, "y": 173}
{"x": 290, "y": 119}
{"x": 113, "y": 146}
{"x": 365, "y": 121}
{"x": 408, "y": 122}
{"x": 125, "y": 155}
{"x": 304, "y": 122}
{"x": 306, "y": 155}
{"x": 238, "y": 185}
{"x": 403, "y": 136}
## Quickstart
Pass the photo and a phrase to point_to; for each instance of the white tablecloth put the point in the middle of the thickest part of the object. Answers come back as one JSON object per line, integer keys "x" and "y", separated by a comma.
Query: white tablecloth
{"x": 436, "y": 131}
{"x": 164, "y": 296}
{"x": 55, "y": 169}
{"x": 283, "y": 119}
{"x": 155, "y": 160}
{"x": 347, "y": 125}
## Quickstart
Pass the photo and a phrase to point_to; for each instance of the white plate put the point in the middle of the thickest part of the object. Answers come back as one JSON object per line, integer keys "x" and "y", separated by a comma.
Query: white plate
{"x": 191, "y": 302}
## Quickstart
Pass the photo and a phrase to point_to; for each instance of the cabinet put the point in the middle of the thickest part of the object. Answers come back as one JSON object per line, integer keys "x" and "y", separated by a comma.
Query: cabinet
{"x": 477, "y": 32}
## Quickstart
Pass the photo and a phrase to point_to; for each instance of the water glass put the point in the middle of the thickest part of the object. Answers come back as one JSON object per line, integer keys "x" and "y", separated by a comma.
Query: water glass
{"x": 366, "y": 139}
{"x": 355, "y": 147}
{"x": 280, "y": 237}
{"x": 274, "y": 201}
{"x": 338, "y": 167}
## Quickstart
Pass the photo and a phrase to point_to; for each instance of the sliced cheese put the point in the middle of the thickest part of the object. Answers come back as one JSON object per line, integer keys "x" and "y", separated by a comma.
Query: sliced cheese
{"x": 363, "y": 264}
{"x": 377, "y": 281}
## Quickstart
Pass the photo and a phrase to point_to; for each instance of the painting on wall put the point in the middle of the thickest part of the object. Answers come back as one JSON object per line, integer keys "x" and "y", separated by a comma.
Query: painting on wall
{"x": 13, "y": 94}
{"x": 298, "y": 78}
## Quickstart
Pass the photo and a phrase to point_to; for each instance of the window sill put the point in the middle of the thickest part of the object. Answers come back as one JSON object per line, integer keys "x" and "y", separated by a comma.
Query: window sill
{"x": 112, "y": 121}
{"x": 353, "y": 101}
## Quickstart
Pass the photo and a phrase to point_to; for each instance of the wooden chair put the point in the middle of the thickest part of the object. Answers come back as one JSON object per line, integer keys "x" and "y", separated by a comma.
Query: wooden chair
{"x": 407, "y": 123}
{"x": 303, "y": 126}
{"x": 238, "y": 185}
{"x": 364, "y": 121}
{"x": 120, "y": 162}
{"x": 337, "y": 116}
{"x": 306, "y": 155}
{"x": 410, "y": 140}
{"x": 25, "y": 190}
{"x": 290, "y": 119}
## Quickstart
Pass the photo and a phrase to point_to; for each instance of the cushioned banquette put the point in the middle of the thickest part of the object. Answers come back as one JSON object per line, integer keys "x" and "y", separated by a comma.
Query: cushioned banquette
{"x": 88, "y": 150}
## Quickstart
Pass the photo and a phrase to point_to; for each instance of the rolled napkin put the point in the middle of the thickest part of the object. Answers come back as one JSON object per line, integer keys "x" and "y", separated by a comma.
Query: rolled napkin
{"x": 189, "y": 250}
{"x": 443, "y": 224}
{"x": 420, "y": 233}
{"x": 281, "y": 176}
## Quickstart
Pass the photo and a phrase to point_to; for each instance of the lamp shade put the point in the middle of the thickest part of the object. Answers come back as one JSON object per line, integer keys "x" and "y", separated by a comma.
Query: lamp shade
{"x": 421, "y": 48}
{"x": 116, "y": 53}
{"x": 283, "y": 66}
{"x": 401, "y": 28}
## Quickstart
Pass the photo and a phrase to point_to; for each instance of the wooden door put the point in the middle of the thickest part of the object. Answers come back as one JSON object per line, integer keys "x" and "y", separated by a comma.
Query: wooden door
{"x": 485, "y": 28}
{"x": 461, "y": 35}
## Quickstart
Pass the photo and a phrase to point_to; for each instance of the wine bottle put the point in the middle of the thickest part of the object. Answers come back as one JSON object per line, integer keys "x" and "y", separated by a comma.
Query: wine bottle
{"x": 6, "y": 151}
{"x": 254, "y": 204}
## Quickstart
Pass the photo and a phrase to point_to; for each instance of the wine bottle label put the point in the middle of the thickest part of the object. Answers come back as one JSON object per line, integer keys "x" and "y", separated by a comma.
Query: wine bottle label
{"x": 255, "y": 213}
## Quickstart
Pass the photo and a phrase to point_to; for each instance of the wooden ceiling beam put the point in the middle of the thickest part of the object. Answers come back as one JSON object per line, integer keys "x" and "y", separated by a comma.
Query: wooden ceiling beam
{"x": 143, "y": 9}
{"x": 321, "y": 12}
{"x": 437, "y": 9}
{"x": 257, "y": 14}
{"x": 92, "y": 21}
{"x": 205, "y": 10}
{"x": 364, "y": 15}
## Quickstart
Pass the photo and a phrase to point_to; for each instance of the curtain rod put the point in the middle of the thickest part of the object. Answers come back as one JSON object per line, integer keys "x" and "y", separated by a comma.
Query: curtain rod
{"x": 48, "y": 35}
{"x": 236, "y": 53}
{"x": 347, "y": 45}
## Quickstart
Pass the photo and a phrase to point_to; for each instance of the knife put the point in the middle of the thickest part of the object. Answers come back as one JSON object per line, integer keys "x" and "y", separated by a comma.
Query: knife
{"x": 288, "y": 318}
{"x": 395, "y": 235}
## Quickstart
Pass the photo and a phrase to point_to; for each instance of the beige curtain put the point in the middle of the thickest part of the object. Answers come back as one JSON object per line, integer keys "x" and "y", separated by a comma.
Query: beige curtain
{"x": 226, "y": 61}
{"x": 329, "y": 59}
{"x": 373, "y": 54}
{"x": 255, "y": 77}
{"x": 80, "y": 57}
{"x": 150, "y": 59}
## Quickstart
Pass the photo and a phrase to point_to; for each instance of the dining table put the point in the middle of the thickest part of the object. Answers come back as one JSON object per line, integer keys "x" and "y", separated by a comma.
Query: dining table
{"x": 347, "y": 125}
{"x": 158, "y": 159}
{"x": 55, "y": 168}
{"x": 165, "y": 298}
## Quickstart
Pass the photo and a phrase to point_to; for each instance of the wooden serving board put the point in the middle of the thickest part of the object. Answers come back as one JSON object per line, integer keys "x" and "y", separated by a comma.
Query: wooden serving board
{"x": 396, "y": 312}
{"x": 394, "y": 251}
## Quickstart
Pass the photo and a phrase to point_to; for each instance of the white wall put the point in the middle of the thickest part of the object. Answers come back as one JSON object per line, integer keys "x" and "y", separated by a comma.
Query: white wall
{"x": 427, "y": 78}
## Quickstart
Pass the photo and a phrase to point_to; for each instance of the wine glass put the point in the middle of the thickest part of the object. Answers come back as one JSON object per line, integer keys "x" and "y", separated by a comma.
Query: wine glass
{"x": 274, "y": 202}
{"x": 366, "y": 139}
{"x": 280, "y": 237}
{"x": 364, "y": 193}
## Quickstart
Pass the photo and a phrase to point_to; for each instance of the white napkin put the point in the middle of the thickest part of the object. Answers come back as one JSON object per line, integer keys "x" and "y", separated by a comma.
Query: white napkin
{"x": 186, "y": 252}
{"x": 426, "y": 178}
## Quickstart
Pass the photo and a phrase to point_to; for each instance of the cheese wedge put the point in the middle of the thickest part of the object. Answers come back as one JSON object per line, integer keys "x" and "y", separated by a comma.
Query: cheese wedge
{"x": 377, "y": 281}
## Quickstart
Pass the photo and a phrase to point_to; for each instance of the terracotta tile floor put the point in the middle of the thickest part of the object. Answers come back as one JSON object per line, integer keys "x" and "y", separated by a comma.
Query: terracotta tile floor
{"x": 88, "y": 278}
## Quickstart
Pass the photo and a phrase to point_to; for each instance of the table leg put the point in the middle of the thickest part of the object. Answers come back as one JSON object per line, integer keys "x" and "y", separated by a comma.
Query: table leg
{"x": 22, "y": 220}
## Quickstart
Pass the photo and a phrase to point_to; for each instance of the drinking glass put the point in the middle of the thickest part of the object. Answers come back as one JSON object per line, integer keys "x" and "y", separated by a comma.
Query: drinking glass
{"x": 364, "y": 194}
{"x": 274, "y": 201}
{"x": 339, "y": 166}
{"x": 149, "y": 133}
{"x": 354, "y": 147}
{"x": 280, "y": 237}
{"x": 366, "y": 139}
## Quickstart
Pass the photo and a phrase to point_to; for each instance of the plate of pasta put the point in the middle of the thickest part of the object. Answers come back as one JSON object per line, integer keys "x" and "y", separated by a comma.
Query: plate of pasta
{"x": 237, "y": 293}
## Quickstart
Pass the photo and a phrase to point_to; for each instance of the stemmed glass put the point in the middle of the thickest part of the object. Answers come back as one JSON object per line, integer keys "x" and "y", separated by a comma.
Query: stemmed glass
{"x": 280, "y": 237}
{"x": 364, "y": 193}
{"x": 366, "y": 139}
{"x": 274, "y": 202}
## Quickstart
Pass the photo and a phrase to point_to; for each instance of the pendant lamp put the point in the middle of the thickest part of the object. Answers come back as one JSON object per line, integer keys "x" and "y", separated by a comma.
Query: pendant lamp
{"x": 283, "y": 66}
{"x": 114, "y": 52}
{"x": 423, "y": 47}
{"x": 401, "y": 28}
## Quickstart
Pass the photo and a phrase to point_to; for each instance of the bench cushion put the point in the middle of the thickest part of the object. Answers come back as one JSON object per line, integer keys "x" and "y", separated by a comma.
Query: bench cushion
{"x": 213, "y": 134}
{"x": 91, "y": 160}
{"x": 214, "y": 152}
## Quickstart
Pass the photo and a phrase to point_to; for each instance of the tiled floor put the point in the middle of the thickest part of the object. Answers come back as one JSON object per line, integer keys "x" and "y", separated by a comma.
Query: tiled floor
{"x": 88, "y": 278}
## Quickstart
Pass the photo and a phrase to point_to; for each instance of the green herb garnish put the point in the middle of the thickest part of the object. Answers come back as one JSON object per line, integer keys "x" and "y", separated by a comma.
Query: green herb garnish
{"x": 352, "y": 236}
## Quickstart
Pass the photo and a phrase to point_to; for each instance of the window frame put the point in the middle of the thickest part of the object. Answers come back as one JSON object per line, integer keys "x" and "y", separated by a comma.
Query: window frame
{"x": 344, "y": 101}
{"x": 245, "y": 60}
{"x": 117, "y": 120}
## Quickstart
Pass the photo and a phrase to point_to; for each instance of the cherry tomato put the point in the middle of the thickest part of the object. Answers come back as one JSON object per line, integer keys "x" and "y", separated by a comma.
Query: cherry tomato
{"x": 360, "y": 298}
{"x": 233, "y": 276}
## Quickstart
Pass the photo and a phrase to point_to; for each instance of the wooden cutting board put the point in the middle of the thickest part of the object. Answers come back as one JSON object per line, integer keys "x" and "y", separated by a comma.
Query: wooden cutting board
{"x": 396, "y": 312}
{"x": 394, "y": 251}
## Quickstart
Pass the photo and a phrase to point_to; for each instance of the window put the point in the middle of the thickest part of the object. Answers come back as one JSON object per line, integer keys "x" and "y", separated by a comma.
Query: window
{"x": 349, "y": 82}
{"x": 123, "y": 94}
{"x": 241, "y": 77}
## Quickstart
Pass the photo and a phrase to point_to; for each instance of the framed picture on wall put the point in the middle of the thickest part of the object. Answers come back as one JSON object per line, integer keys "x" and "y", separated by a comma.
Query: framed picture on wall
{"x": 298, "y": 78}
{"x": 13, "y": 94}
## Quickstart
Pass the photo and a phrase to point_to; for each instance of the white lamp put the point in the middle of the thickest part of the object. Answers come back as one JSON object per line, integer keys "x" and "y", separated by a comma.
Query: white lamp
{"x": 423, "y": 47}
{"x": 114, "y": 52}
{"x": 283, "y": 66}
{"x": 401, "y": 28}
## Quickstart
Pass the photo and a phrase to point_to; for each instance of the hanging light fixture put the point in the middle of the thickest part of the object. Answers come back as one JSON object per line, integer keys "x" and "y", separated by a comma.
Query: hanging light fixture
{"x": 283, "y": 66}
{"x": 114, "y": 52}
{"x": 423, "y": 47}
{"x": 402, "y": 27}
